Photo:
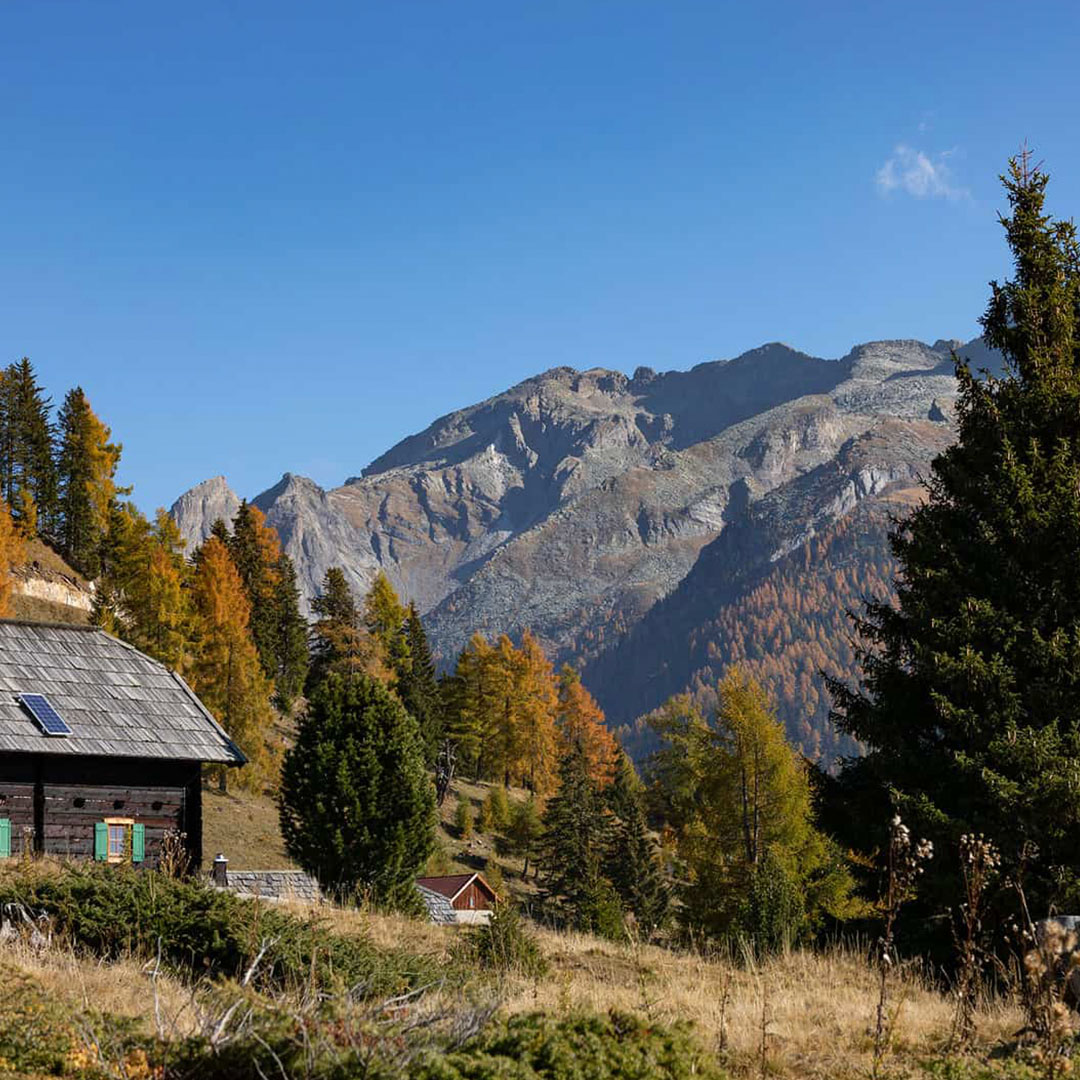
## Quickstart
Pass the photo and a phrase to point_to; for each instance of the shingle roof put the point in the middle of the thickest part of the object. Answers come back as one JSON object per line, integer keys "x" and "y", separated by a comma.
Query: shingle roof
{"x": 439, "y": 908}
{"x": 451, "y": 885}
{"x": 117, "y": 701}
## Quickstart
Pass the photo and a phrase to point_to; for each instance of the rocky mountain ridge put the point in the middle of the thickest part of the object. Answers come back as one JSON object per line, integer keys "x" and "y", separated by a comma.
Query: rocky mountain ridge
{"x": 575, "y": 503}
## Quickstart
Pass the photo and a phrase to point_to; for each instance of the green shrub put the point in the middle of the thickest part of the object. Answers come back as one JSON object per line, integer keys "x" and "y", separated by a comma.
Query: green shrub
{"x": 36, "y": 1035}
{"x": 493, "y": 875}
{"x": 112, "y": 912}
{"x": 498, "y": 805}
{"x": 463, "y": 819}
{"x": 773, "y": 913}
{"x": 504, "y": 945}
{"x": 532, "y": 1047}
{"x": 537, "y": 1047}
{"x": 484, "y": 821}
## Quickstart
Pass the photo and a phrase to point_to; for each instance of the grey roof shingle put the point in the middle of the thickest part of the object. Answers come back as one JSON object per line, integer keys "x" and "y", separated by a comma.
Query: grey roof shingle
{"x": 117, "y": 701}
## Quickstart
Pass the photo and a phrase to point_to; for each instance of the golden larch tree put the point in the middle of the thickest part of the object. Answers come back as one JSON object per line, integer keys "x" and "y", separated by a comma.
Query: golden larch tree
{"x": 12, "y": 554}
{"x": 227, "y": 674}
{"x": 582, "y": 719}
{"x": 537, "y": 704}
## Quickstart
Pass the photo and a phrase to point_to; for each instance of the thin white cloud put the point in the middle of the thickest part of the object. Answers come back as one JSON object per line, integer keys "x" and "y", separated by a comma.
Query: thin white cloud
{"x": 919, "y": 175}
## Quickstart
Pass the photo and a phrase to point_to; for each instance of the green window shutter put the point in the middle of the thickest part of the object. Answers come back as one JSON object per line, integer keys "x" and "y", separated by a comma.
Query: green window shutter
{"x": 5, "y": 838}
{"x": 138, "y": 843}
{"x": 101, "y": 841}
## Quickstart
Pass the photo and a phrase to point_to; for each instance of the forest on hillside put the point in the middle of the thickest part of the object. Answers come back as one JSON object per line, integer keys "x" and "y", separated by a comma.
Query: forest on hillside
{"x": 788, "y": 630}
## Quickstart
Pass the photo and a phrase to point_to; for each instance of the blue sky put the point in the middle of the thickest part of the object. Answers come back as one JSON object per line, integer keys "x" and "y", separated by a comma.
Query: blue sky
{"x": 270, "y": 236}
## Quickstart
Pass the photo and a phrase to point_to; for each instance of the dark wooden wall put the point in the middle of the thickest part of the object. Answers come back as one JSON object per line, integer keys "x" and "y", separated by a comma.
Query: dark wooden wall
{"x": 17, "y": 804}
{"x": 59, "y": 800}
{"x": 482, "y": 901}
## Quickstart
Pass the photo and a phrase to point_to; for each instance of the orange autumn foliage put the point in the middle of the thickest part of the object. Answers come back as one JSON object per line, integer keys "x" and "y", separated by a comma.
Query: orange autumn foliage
{"x": 581, "y": 719}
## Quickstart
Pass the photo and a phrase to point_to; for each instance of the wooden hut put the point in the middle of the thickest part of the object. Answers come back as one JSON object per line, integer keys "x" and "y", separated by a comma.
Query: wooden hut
{"x": 101, "y": 748}
{"x": 460, "y": 898}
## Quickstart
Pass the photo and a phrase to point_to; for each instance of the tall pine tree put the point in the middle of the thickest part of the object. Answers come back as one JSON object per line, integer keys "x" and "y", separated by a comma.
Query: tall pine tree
{"x": 632, "y": 860}
{"x": 339, "y": 641}
{"x": 255, "y": 550}
{"x": 290, "y": 634}
{"x": 970, "y": 697}
{"x": 86, "y": 468}
{"x": 577, "y": 830}
{"x": 418, "y": 687}
{"x": 28, "y": 478}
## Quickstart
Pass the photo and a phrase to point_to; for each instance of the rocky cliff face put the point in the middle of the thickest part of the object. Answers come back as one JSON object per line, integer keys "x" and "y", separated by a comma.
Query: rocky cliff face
{"x": 198, "y": 508}
{"x": 575, "y": 502}
{"x": 316, "y": 535}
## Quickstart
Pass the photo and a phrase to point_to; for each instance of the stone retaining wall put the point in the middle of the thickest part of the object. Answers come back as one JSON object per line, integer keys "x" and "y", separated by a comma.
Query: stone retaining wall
{"x": 274, "y": 884}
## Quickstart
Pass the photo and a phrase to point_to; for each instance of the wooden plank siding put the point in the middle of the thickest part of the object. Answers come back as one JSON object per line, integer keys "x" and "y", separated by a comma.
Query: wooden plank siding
{"x": 480, "y": 899}
{"x": 56, "y": 802}
{"x": 17, "y": 805}
{"x": 69, "y": 827}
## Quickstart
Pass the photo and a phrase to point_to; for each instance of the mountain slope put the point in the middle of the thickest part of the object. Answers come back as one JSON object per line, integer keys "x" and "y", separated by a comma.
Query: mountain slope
{"x": 587, "y": 504}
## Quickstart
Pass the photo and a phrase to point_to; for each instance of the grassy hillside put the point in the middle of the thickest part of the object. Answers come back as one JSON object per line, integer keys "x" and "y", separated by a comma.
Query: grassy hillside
{"x": 244, "y": 826}
{"x": 45, "y": 572}
{"x": 76, "y": 1004}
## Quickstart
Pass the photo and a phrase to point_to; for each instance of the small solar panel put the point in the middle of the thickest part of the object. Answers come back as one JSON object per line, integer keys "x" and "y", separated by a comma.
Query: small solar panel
{"x": 52, "y": 723}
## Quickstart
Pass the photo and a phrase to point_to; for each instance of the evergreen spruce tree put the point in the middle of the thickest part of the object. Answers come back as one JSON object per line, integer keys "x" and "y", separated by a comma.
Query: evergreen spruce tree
{"x": 418, "y": 687}
{"x": 577, "y": 831}
{"x": 357, "y": 806}
{"x": 970, "y": 697}
{"x": 290, "y": 635}
{"x": 339, "y": 641}
{"x": 632, "y": 863}
{"x": 27, "y": 469}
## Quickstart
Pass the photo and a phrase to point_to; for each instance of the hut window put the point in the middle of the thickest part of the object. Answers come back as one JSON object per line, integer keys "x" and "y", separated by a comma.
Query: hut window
{"x": 79, "y": 803}
{"x": 119, "y": 840}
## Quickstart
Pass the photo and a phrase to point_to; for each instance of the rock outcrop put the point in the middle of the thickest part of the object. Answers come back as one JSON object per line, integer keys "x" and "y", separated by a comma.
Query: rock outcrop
{"x": 198, "y": 508}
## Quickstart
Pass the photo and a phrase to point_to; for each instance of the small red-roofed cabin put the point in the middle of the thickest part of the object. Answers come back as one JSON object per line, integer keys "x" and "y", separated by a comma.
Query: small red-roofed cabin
{"x": 458, "y": 898}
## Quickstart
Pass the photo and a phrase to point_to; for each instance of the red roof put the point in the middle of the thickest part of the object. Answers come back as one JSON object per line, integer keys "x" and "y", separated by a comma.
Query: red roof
{"x": 452, "y": 885}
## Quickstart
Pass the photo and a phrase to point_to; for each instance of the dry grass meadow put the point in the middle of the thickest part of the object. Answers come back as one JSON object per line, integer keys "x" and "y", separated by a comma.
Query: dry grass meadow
{"x": 816, "y": 1009}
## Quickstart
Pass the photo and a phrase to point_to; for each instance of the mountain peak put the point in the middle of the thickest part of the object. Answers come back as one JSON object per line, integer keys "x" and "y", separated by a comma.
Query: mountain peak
{"x": 200, "y": 506}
